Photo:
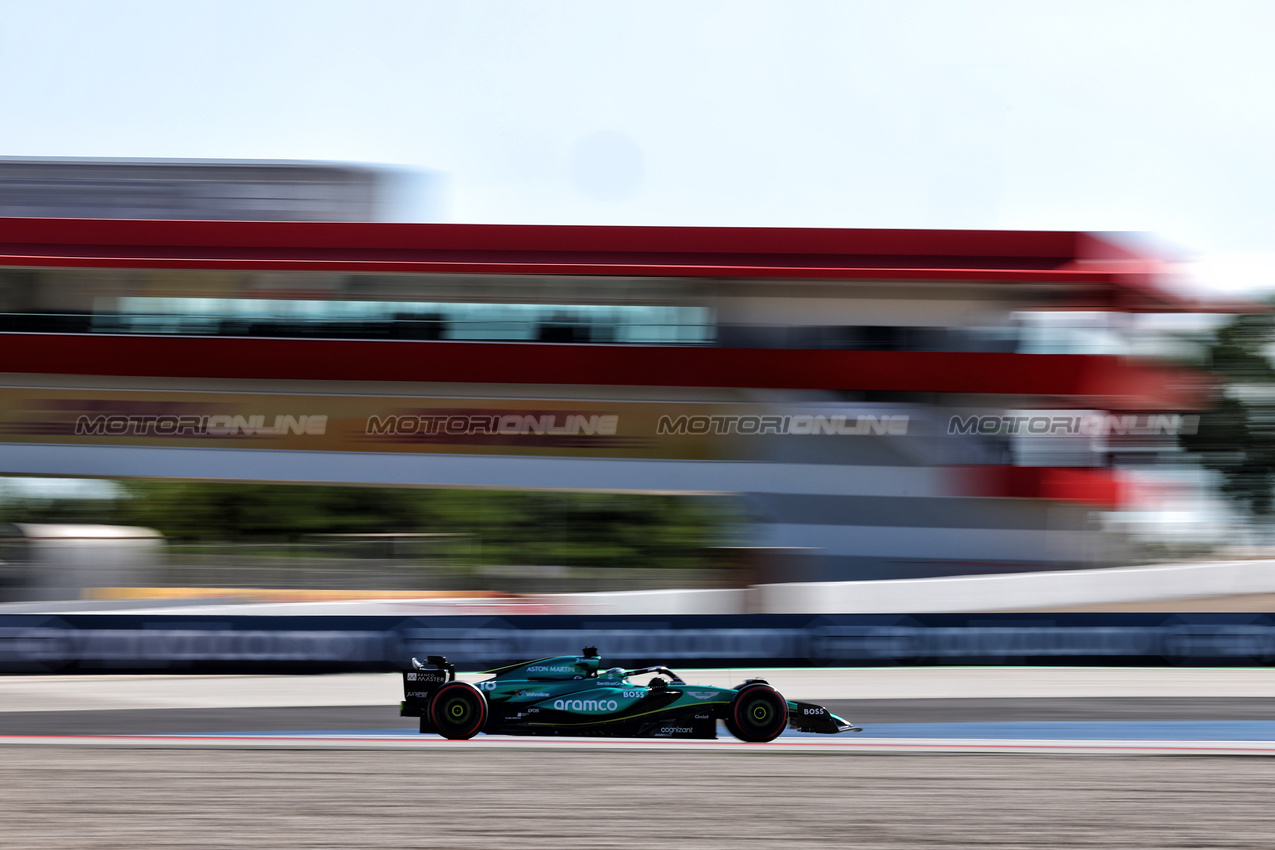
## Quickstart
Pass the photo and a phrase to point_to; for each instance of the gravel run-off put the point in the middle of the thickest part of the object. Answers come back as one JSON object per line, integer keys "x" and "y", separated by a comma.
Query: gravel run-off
{"x": 145, "y": 797}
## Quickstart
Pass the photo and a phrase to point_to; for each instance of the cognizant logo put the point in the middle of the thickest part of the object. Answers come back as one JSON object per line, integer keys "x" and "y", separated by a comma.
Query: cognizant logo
{"x": 585, "y": 704}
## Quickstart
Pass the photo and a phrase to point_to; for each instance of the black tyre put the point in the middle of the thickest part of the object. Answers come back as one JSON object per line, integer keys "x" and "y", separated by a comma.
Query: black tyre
{"x": 458, "y": 710}
{"x": 757, "y": 714}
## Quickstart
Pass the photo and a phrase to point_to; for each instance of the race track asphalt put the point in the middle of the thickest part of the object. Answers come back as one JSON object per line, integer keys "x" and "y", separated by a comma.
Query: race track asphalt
{"x": 236, "y": 794}
{"x": 188, "y": 721}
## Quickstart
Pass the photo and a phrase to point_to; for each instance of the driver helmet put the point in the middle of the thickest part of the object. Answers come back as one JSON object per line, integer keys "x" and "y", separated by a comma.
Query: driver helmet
{"x": 614, "y": 673}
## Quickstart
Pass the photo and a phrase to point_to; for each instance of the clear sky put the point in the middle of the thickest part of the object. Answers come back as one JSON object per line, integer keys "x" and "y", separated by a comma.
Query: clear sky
{"x": 1150, "y": 116}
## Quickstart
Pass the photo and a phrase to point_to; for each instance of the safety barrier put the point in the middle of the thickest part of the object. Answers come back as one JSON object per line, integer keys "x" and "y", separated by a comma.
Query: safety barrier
{"x": 139, "y": 643}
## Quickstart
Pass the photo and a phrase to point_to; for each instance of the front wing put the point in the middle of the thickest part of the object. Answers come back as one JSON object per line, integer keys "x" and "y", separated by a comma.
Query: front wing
{"x": 809, "y": 717}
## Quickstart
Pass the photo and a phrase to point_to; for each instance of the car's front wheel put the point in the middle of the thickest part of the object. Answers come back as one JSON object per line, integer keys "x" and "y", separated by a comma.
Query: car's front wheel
{"x": 757, "y": 713}
{"x": 458, "y": 710}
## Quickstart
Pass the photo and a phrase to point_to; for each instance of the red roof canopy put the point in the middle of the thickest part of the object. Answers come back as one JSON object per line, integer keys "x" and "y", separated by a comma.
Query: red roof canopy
{"x": 1092, "y": 271}
{"x": 1092, "y": 380}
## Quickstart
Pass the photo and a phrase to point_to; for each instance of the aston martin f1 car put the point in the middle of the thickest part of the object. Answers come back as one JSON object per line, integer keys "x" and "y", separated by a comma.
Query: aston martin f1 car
{"x": 570, "y": 695}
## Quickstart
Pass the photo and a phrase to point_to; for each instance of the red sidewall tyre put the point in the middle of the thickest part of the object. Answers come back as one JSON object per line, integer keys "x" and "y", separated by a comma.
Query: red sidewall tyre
{"x": 757, "y": 714}
{"x": 458, "y": 710}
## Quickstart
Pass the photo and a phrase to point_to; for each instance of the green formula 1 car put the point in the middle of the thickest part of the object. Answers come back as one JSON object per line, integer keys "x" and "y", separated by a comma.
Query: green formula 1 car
{"x": 568, "y": 695}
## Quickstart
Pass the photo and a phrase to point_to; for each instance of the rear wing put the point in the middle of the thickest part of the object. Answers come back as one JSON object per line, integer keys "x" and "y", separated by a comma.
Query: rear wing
{"x": 421, "y": 681}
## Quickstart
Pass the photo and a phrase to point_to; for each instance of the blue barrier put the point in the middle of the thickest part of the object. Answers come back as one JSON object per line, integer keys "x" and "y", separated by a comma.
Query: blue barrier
{"x": 246, "y": 644}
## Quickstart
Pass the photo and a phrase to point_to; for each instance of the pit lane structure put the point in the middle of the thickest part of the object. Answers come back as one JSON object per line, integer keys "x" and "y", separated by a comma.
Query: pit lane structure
{"x": 888, "y": 404}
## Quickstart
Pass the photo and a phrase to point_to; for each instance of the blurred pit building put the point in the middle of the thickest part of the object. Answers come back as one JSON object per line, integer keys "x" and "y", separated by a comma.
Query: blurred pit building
{"x": 884, "y": 403}
{"x": 55, "y": 187}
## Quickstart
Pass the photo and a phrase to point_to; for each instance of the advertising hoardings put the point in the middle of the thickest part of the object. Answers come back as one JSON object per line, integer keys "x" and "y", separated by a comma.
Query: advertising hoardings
{"x": 80, "y": 643}
{"x": 357, "y": 423}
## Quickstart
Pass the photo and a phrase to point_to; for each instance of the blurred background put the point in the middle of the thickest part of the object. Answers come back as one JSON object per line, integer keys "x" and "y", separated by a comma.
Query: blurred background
{"x": 882, "y": 294}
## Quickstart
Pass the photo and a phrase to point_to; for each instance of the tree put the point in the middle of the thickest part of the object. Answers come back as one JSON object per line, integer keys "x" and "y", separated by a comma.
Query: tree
{"x": 1237, "y": 437}
{"x": 489, "y": 527}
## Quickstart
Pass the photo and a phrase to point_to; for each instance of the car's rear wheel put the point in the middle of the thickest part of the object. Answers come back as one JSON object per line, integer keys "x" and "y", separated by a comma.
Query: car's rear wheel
{"x": 757, "y": 714}
{"x": 458, "y": 710}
